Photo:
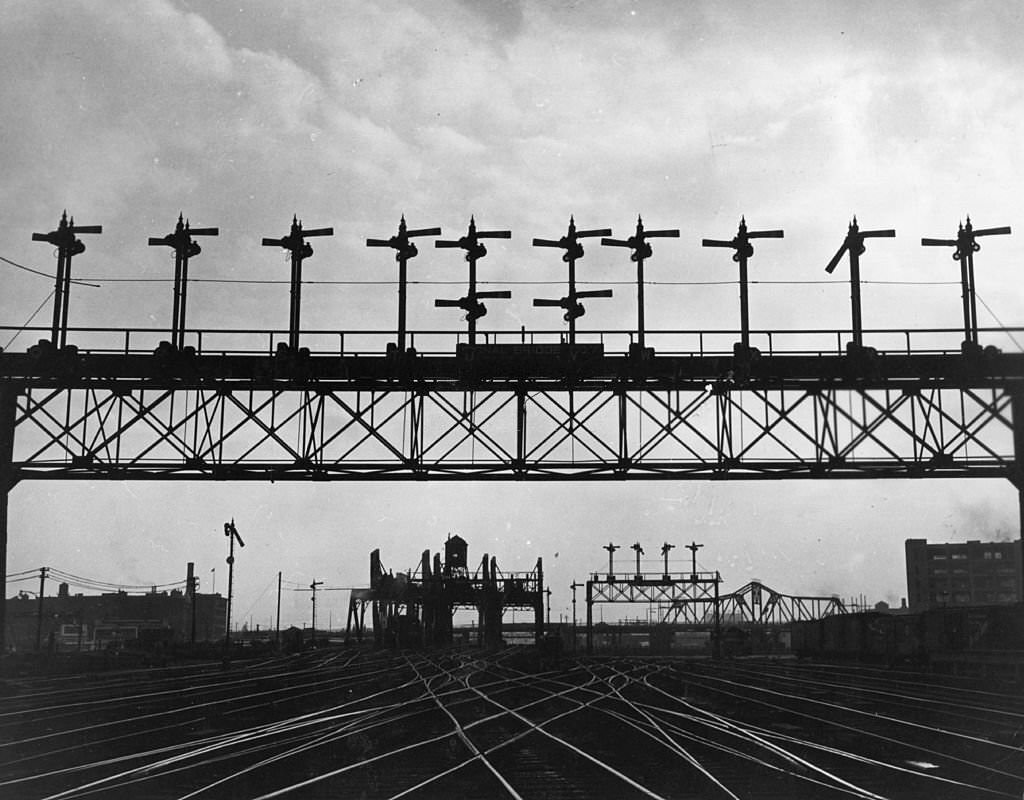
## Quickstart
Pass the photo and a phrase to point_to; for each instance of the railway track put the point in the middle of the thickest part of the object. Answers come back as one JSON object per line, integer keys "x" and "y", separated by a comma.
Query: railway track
{"x": 337, "y": 723}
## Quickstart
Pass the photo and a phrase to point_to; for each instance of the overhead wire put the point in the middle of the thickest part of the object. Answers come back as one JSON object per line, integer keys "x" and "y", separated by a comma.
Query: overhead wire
{"x": 28, "y": 322}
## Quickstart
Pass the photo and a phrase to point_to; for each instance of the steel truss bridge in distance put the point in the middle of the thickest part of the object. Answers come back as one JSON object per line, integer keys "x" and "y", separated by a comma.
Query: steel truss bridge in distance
{"x": 752, "y": 604}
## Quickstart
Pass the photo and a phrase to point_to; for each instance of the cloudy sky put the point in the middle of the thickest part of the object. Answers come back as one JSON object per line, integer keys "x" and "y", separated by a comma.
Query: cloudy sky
{"x": 797, "y": 115}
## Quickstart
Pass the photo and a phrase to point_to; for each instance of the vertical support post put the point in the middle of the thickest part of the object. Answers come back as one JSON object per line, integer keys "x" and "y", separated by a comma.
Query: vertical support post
{"x": 184, "y": 249}
{"x": 538, "y": 625}
{"x": 854, "y": 245}
{"x": 1017, "y": 478}
{"x": 190, "y": 584}
{"x": 313, "y": 586}
{"x": 858, "y": 336}
{"x": 67, "y": 246}
{"x": 573, "y": 586}
{"x": 232, "y": 533}
{"x": 741, "y": 244}
{"x": 404, "y": 251}
{"x": 58, "y": 298}
{"x": 300, "y": 249}
{"x": 590, "y": 618}
{"x": 964, "y": 254}
{"x": 973, "y": 300}
{"x": 573, "y": 250}
{"x": 39, "y": 611}
{"x": 277, "y": 634}
{"x": 8, "y": 408}
{"x": 717, "y": 648}
{"x": 520, "y": 465}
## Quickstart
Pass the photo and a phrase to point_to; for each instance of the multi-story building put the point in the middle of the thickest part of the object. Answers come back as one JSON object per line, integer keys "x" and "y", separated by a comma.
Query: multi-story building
{"x": 962, "y": 573}
{"x": 96, "y": 622}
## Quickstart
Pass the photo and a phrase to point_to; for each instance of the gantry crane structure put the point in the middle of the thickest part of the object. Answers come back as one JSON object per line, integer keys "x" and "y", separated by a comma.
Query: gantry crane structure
{"x": 415, "y": 608}
{"x": 776, "y": 405}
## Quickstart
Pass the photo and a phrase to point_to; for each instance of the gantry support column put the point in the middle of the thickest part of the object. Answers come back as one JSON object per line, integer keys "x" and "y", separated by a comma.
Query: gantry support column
{"x": 8, "y": 407}
{"x": 1017, "y": 478}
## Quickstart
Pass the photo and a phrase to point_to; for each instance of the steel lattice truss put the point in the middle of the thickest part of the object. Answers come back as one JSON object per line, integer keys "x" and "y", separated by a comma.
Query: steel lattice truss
{"x": 683, "y": 588}
{"x": 438, "y": 430}
{"x": 753, "y": 604}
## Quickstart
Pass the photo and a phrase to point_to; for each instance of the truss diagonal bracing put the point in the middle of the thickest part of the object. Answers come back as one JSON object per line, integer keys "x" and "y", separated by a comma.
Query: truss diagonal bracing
{"x": 753, "y": 604}
{"x": 107, "y": 429}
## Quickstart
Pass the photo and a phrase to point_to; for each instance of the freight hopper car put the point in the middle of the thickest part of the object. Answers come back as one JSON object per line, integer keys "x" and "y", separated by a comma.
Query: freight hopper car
{"x": 959, "y": 639}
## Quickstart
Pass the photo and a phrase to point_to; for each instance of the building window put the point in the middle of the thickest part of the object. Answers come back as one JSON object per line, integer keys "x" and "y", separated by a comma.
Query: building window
{"x": 988, "y": 555}
{"x": 938, "y": 556}
{"x": 997, "y": 555}
{"x": 959, "y": 556}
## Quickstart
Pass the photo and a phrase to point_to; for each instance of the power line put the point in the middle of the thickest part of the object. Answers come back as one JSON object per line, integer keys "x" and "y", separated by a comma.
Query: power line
{"x": 999, "y": 322}
{"x": 79, "y": 281}
{"x": 28, "y": 322}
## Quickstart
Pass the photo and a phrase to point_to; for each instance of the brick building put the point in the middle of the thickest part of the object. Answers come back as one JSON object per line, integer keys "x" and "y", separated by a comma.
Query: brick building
{"x": 962, "y": 573}
{"x": 116, "y": 619}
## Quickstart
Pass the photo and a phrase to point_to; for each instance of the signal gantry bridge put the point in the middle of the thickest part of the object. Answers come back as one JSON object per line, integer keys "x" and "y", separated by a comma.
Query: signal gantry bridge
{"x": 114, "y": 404}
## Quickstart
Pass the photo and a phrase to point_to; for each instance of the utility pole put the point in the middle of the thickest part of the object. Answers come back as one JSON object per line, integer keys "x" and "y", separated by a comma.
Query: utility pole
{"x": 300, "y": 249}
{"x": 573, "y": 251}
{"x": 475, "y": 250}
{"x": 232, "y": 533}
{"x": 641, "y": 250}
{"x": 39, "y": 612}
{"x": 404, "y": 250}
{"x": 312, "y": 587}
{"x": 744, "y": 250}
{"x": 184, "y": 249}
{"x": 277, "y": 637}
{"x": 693, "y": 547}
{"x": 67, "y": 246}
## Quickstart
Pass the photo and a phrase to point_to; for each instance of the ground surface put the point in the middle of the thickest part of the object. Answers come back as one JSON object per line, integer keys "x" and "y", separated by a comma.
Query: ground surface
{"x": 344, "y": 723}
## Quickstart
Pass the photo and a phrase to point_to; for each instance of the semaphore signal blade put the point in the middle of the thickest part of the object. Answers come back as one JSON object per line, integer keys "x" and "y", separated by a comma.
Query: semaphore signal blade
{"x": 504, "y": 294}
{"x": 993, "y": 231}
{"x": 546, "y": 243}
{"x": 204, "y": 231}
{"x": 424, "y": 232}
{"x": 775, "y": 234}
{"x": 543, "y": 302}
{"x": 595, "y": 232}
{"x": 595, "y": 293}
{"x": 939, "y": 242}
{"x": 835, "y": 259}
{"x": 319, "y": 232}
{"x": 378, "y": 243}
